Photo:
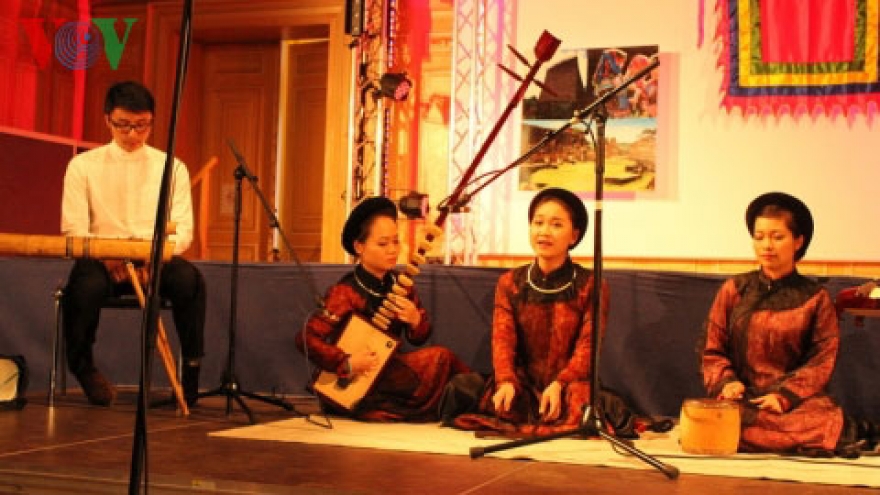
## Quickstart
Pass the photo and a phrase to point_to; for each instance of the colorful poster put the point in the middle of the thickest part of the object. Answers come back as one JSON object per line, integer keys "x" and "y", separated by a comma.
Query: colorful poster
{"x": 575, "y": 81}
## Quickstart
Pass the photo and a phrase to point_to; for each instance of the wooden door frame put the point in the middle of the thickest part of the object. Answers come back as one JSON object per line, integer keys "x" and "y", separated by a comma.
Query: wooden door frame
{"x": 164, "y": 24}
{"x": 285, "y": 176}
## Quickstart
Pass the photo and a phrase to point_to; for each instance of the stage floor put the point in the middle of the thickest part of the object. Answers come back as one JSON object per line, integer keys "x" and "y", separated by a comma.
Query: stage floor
{"x": 77, "y": 448}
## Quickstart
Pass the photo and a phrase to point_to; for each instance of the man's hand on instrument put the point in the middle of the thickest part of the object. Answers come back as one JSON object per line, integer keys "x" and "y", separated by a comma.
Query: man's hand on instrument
{"x": 117, "y": 271}
{"x": 406, "y": 310}
{"x": 144, "y": 274}
{"x": 503, "y": 397}
{"x": 363, "y": 361}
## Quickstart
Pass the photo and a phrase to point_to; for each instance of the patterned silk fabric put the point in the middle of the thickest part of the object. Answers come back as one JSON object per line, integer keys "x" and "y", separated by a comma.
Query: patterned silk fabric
{"x": 541, "y": 332}
{"x": 782, "y": 337}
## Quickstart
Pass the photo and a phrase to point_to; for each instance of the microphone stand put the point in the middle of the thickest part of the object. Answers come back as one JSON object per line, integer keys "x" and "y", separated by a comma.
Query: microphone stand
{"x": 138, "y": 471}
{"x": 593, "y": 423}
{"x": 229, "y": 386}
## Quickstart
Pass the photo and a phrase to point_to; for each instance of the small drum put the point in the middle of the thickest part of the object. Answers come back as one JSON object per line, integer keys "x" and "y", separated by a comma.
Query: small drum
{"x": 709, "y": 426}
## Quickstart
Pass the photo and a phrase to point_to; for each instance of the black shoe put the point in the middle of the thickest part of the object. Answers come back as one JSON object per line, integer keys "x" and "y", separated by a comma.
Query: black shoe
{"x": 852, "y": 450}
{"x": 869, "y": 432}
{"x": 98, "y": 389}
{"x": 818, "y": 453}
{"x": 190, "y": 383}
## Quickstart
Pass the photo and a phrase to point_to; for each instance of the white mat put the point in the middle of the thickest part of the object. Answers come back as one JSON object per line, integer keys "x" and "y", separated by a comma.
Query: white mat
{"x": 431, "y": 438}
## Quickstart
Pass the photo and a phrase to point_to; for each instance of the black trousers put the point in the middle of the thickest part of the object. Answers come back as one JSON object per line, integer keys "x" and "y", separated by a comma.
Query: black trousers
{"x": 90, "y": 284}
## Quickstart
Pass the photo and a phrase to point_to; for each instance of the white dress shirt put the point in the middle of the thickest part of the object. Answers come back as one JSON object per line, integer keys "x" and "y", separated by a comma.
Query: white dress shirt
{"x": 113, "y": 193}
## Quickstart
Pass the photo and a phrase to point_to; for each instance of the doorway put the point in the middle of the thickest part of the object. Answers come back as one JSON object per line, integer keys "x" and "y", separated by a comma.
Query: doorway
{"x": 302, "y": 145}
{"x": 277, "y": 115}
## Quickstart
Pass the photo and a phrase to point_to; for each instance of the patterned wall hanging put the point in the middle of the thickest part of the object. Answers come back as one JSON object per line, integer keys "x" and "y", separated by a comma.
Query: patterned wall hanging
{"x": 799, "y": 56}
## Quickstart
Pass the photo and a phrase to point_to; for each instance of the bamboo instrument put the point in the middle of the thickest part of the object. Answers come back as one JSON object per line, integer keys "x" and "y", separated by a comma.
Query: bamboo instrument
{"x": 50, "y": 246}
{"x": 161, "y": 342}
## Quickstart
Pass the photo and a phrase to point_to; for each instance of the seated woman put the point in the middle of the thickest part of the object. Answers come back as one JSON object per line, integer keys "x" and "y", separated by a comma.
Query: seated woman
{"x": 411, "y": 384}
{"x": 541, "y": 329}
{"x": 771, "y": 342}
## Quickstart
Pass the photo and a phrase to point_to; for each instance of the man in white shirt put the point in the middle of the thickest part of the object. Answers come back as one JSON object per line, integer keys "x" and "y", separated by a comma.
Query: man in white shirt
{"x": 113, "y": 192}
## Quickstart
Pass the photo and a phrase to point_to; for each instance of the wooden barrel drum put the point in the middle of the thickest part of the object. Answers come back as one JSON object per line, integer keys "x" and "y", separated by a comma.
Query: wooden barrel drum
{"x": 709, "y": 426}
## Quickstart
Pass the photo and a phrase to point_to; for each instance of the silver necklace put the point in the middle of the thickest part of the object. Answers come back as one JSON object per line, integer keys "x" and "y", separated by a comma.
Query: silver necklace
{"x": 548, "y": 291}
{"x": 363, "y": 286}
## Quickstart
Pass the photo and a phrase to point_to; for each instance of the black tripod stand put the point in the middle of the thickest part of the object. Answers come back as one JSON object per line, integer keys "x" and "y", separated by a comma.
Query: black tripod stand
{"x": 593, "y": 423}
{"x": 229, "y": 387}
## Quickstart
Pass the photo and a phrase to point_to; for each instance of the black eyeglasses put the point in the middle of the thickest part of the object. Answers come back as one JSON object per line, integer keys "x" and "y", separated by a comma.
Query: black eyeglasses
{"x": 125, "y": 127}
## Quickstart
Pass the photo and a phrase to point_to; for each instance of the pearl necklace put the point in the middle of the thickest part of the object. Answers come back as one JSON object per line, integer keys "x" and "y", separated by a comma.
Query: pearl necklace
{"x": 549, "y": 291}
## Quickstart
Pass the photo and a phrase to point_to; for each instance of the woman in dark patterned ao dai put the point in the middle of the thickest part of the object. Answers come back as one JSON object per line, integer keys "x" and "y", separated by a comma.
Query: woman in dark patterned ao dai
{"x": 411, "y": 384}
{"x": 541, "y": 329}
{"x": 772, "y": 338}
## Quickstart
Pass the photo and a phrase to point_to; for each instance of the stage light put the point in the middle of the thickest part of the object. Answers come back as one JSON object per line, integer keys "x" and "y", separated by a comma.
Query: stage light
{"x": 414, "y": 205}
{"x": 395, "y": 86}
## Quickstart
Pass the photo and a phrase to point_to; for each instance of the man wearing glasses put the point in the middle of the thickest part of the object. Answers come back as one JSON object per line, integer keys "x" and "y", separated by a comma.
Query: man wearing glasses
{"x": 113, "y": 192}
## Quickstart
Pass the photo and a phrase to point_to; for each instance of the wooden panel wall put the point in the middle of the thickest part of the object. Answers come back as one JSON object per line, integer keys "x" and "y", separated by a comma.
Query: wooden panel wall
{"x": 239, "y": 103}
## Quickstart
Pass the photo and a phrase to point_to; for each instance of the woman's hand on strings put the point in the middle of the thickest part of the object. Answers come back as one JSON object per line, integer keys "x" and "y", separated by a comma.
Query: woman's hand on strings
{"x": 363, "y": 361}
{"x": 406, "y": 310}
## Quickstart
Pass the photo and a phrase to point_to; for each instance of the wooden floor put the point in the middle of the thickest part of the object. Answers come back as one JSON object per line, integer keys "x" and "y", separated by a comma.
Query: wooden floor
{"x": 76, "y": 448}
